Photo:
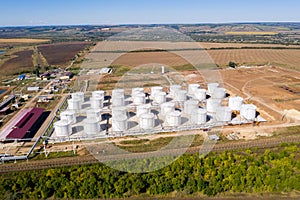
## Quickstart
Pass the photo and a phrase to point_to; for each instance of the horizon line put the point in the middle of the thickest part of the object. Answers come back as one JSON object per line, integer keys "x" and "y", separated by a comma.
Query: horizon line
{"x": 145, "y": 24}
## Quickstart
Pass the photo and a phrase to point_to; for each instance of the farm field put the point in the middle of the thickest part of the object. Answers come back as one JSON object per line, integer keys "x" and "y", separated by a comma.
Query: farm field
{"x": 288, "y": 58}
{"x": 251, "y": 33}
{"x": 104, "y": 54}
{"x": 139, "y": 58}
{"x": 209, "y": 45}
{"x": 20, "y": 61}
{"x": 285, "y": 58}
{"x": 61, "y": 53}
{"x": 22, "y": 40}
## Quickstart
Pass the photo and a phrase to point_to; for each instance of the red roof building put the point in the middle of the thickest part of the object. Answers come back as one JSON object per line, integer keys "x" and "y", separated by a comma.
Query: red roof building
{"x": 23, "y": 126}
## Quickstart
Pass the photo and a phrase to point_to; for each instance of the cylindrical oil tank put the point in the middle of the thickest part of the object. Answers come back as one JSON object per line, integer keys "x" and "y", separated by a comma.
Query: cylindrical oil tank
{"x": 79, "y": 95}
{"x": 74, "y": 104}
{"x": 235, "y": 103}
{"x": 135, "y": 91}
{"x": 91, "y": 126}
{"x": 68, "y": 115}
{"x": 212, "y": 105}
{"x": 119, "y": 123}
{"x": 199, "y": 116}
{"x": 160, "y": 97}
{"x": 118, "y": 100}
{"x": 98, "y": 94}
{"x": 167, "y": 107}
{"x": 173, "y": 118}
{"x": 200, "y": 94}
{"x": 62, "y": 128}
{"x": 219, "y": 93}
{"x": 94, "y": 113}
{"x": 192, "y": 88}
{"x": 248, "y": 112}
{"x": 118, "y": 92}
{"x": 174, "y": 89}
{"x": 96, "y": 102}
{"x": 155, "y": 90}
{"x": 139, "y": 99}
{"x": 147, "y": 121}
{"x": 223, "y": 114}
{"x": 142, "y": 109}
{"x": 189, "y": 106}
{"x": 119, "y": 111}
{"x": 181, "y": 95}
{"x": 211, "y": 87}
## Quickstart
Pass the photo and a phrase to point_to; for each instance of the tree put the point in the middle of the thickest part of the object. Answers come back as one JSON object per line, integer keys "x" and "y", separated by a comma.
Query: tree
{"x": 232, "y": 64}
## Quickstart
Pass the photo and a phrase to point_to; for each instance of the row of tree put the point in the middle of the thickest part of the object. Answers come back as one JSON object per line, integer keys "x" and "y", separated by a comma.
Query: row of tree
{"x": 214, "y": 174}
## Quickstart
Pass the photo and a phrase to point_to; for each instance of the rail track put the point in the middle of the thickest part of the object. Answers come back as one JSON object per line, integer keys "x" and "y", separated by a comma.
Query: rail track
{"x": 80, "y": 160}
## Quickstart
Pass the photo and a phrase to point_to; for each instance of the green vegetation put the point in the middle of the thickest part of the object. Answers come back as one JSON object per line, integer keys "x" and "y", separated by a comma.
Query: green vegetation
{"x": 144, "y": 145}
{"x": 288, "y": 130}
{"x": 60, "y": 154}
{"x": 217, "y": 174}
{"x": 119, "y": 70}
{"x": 232, "y": 64}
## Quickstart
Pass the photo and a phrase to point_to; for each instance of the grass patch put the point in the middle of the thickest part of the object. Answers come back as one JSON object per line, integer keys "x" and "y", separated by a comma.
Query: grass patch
{"x": 187, "y": 67}
{"x": 134, "y": 142}
{"x": 288, "y": 130}
{"x": 119, "y": 70}
{"x": 145, "y": 145}
{"x": 61, "y": 154}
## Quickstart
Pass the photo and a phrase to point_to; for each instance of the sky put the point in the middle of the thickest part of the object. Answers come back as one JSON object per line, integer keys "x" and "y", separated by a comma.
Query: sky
{"x": 99, "y": 12}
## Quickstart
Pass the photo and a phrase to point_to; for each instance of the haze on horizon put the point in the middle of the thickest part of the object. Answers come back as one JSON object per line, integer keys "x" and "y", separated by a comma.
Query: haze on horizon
{"x": 99, "y": 12}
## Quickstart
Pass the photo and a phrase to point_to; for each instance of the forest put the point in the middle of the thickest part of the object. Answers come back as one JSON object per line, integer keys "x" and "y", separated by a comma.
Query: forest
{"x": 245, "y": 171}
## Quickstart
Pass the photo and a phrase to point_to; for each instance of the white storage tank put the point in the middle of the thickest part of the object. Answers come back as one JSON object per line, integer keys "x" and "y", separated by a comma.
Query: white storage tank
{"x": 118, "y": 92}
{"x": 139, "y": 99}
{"x": 235, "y": 103}
{"x": 174, "y": 89}
{"x": 190, "y": 106}
{"x": 142, "y": 109}
{"x": 74, "y": 104}
{"x": 94, "y": 113}
{"x": 91, "y": 126}
{"x": 135, "y": 91}
{"x": 200, "y": 94}
{"x": 155, "y": 90}
{"x": 160, "y": 97}
{"x": 98, "y": 94}
{"x": 118, "y": 100}
{"x": 248, "y": 112}
{"x": 147, "y": 121}
{"x": 211, "y": 87}
{"x": 192, "y": 88}
{"x": 121, "y": 110}
{"x": 199, "y": 116}
{"x": 223, "y": 114}
{"x": 167, "y": 107}
{"x": 62, "y": 128}
{"x": 219, "y": 93}
{"x": 96, "y": 102}
{"x": 69, "y": 116}
{"x": 173, "y": 118}
{"x": 119, "y": 123}
{"x": 78, "y": 95}
{"x": 212, "y": 105}
{"x": 181, "y": 95}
